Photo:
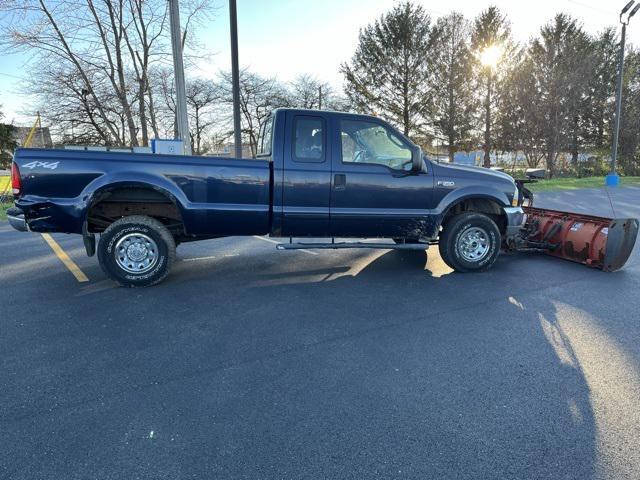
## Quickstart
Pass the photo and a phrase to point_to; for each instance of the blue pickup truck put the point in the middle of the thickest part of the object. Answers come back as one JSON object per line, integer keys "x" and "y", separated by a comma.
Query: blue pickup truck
{"x": 318, "y": 174}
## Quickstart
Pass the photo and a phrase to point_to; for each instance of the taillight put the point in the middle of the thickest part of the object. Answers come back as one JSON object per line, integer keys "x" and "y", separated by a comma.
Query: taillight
{"x": 16, "y": 183}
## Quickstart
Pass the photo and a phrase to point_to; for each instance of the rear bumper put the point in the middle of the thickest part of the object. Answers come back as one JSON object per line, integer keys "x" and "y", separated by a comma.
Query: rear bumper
{"x": 515, "y": 220}
{"x": 17, "y": 220}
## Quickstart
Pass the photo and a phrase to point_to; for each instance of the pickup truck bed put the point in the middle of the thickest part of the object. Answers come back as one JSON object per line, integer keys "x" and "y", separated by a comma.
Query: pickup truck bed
{"x": 214, "y": 196}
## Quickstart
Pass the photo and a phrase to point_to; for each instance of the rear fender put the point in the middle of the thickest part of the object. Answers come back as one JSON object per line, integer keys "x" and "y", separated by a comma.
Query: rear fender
{"x": 95, "y": 191}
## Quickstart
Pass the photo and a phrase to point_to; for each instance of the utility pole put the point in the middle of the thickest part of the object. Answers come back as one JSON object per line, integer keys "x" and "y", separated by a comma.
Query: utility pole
{"x": 235, "y": 77}
{"x": 487, "y": 124}
{"x": 182, "y": 122}
{"x": 320, "y": 97}
{"x": 613, "y": 179}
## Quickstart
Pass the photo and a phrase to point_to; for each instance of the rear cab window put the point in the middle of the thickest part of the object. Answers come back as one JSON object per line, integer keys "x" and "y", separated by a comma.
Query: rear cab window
{"x": 265, "y": 138}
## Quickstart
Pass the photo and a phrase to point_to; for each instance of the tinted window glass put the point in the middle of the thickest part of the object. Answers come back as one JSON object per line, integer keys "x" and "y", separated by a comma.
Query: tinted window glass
{"x": 368, "y": 142}
{"x": 264, "y": 144}
{"x": 308, "y": 139}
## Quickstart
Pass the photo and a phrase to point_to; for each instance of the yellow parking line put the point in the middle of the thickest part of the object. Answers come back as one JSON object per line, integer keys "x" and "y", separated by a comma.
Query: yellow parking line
{"x": 64, "y": 258}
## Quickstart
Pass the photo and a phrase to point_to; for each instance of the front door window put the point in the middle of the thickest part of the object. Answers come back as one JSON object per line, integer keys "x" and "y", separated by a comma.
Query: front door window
{"x": 371, "y": 143}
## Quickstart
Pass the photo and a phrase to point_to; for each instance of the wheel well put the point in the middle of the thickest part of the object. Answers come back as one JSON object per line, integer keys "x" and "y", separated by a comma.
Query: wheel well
{"x": 491, "y": 208}
{"x": 113, "y": 204}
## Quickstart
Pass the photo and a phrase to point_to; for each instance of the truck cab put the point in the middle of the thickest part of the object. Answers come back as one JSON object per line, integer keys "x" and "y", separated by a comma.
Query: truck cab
{"x": 348, "y": 175}
{"x": 339, "y": 175}
{"x": 318, "y": 174}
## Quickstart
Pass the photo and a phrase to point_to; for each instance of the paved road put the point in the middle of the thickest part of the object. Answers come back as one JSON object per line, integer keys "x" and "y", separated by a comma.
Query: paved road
{"x": 257, "y": 364}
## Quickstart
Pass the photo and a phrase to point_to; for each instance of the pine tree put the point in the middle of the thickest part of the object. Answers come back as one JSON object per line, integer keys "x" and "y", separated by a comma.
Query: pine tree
{"x": 602, "y": 88}
{"x": 629, "y": 147}
{"x": 7, "y": 143}
{"x": 453, "y": 90}
{"x": 388, "y": 73}
{"x": 491, "y": 31}
{"x": 560, "y": 71}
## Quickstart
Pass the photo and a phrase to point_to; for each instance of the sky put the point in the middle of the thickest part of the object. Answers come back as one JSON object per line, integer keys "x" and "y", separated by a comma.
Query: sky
{"x": 285, "y": 38}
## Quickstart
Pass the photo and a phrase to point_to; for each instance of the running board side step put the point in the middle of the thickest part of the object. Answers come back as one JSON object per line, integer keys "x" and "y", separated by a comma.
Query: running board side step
{"x": 342, "y": 245}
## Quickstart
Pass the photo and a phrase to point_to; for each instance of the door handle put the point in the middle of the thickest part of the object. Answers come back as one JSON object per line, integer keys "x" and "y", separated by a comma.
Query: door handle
{"x": 340, "y": 181}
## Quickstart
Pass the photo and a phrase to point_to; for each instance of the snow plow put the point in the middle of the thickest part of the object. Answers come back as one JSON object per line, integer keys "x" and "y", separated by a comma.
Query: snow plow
{"x": 598, "y": 242}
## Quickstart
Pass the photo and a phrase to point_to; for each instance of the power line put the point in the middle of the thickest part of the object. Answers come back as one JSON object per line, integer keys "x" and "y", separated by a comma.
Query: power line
{"x": 591, "y": 7}
{"x": 11, "y": 76}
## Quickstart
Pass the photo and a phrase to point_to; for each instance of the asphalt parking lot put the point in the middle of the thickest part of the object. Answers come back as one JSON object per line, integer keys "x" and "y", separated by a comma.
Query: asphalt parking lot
{"x": 254, "y": 363}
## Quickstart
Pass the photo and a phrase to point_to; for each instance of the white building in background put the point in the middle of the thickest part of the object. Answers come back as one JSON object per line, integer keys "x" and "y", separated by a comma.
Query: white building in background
{"x": 41, "y": 137}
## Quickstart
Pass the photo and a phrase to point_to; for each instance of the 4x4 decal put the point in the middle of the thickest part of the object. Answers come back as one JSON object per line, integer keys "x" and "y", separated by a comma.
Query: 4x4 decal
{"x": 49, "y": 165}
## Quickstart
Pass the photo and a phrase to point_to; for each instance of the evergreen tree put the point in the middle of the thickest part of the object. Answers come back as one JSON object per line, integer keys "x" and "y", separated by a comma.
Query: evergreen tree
{"x": 7, "y": 143}
{"x": 559, "y": 59}
{"x": 629, "y": 147}
{"x": 452, "y": 86}
{"x": 602, "y": 88}
{"x": 388, "y": 73}
{"x": 491, "y": 32}
{"x": 519, "y": 121}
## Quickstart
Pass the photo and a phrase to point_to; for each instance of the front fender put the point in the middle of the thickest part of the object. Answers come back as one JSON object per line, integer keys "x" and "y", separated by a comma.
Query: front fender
{"x": 471, "y": 192}
{"x": 455, "y": 197}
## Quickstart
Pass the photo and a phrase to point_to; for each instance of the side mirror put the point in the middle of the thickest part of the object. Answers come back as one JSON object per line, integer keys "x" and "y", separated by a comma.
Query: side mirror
{"x": 416, "y": 160}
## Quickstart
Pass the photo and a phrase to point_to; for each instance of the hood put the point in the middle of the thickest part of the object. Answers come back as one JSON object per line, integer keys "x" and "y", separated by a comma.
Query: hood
{"x": 467, "y": 170}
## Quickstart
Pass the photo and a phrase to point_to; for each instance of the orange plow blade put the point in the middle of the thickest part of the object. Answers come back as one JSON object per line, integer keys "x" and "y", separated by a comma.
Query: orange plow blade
{"x": 599, "y": 242}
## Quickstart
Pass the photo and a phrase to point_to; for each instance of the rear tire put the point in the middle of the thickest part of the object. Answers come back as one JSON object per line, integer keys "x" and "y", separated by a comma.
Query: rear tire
{"x": 470, "y": 242}
{"x": 136, "y": 251}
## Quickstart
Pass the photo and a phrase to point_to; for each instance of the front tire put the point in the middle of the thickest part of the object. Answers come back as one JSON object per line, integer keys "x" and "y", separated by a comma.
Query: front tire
{"x": 136, "y": 251}
{"x": 470, "y": 242}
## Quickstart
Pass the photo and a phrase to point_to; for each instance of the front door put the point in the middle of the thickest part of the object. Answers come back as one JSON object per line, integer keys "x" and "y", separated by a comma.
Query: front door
{"x": 373, "y": 192}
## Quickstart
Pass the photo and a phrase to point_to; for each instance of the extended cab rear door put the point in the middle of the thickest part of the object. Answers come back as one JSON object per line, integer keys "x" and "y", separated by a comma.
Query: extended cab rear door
{"x": 374, "y": 193}
{"x": 306, "y": 185}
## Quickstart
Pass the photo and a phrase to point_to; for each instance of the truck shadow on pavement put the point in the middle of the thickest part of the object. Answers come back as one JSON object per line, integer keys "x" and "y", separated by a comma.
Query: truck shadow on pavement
{"x": 385, "y": 366}
{"x": 443, "y": 375}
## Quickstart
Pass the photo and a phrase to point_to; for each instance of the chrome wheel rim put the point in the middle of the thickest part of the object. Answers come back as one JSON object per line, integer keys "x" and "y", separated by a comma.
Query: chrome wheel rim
{"x": 473, "y": 244}
{"x": 136, "y": 253}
